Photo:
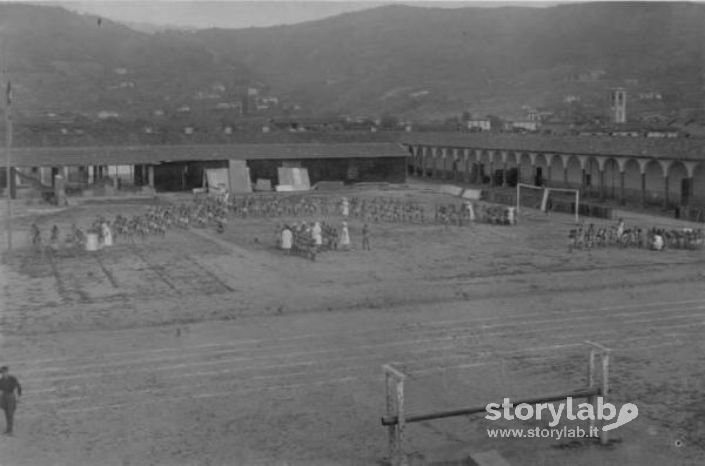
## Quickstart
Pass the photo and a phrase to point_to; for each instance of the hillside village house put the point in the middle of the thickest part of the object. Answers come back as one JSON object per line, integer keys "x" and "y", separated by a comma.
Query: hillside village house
{"x": 482, "y": 124}
{"x": 526, "y": 125}
{"x": 105, "y": 114}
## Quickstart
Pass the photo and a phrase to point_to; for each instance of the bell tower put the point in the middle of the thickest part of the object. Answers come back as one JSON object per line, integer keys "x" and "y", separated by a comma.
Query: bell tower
{"x": 619, "y": 105}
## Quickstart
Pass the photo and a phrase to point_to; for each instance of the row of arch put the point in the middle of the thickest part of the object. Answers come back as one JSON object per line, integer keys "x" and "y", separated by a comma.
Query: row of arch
{"x": 650, "y": 180}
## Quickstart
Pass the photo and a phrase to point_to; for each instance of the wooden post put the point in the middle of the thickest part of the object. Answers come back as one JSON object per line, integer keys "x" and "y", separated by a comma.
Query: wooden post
{"x": 401, "y": 425}
{"x": 604, "y": 389}
{"x": 591, "y": 384}
{"x": 394, "y": 381}
{"x": 391, "y": 411}
{"x": 604, "y": 435}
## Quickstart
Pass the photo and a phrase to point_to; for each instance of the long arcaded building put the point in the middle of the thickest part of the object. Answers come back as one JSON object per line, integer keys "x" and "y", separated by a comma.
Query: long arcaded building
{"x": 667, "y": 172}
{"x": 670, "y": 172}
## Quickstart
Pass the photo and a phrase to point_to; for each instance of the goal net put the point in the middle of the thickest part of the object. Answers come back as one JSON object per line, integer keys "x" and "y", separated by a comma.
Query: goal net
{"x": 548, "y": 199}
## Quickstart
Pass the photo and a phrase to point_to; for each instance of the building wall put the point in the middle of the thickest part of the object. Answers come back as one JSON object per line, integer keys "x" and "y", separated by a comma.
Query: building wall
{"x": 383, "y": 169}
{"x": 183, "y": 176}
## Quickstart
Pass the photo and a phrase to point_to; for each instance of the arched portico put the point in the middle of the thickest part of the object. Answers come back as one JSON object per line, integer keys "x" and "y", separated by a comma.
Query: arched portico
{"x": 526, "y": 165}
{"x": 539, "y": 169}
{"x": 555, "y": 170}
{"x": 653, "y": 175}
{"x": 509, "y": 162}
{"x": 591, "y": 175}
{"x": 572, "y": 171}
{"x": 677, "y": 183}
{"x": 612, "y": 179}
{"x": 698, "y": 184}
{"x": 633, "y": 180}
{"x": 668, "y": 180}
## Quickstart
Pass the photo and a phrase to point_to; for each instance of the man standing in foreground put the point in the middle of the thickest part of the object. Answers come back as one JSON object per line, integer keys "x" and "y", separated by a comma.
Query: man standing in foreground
{"x": 8, "y": 402}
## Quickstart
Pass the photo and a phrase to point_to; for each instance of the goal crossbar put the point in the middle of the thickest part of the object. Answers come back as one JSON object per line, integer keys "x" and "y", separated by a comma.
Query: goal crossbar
{"x": 545, "y": 193}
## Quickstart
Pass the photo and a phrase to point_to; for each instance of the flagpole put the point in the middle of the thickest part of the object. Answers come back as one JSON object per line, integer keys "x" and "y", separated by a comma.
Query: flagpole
{"x": 8, "y": 143}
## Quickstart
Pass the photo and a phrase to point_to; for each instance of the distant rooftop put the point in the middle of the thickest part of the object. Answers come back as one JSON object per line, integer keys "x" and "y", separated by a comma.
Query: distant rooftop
{"x": 155, "y": 154}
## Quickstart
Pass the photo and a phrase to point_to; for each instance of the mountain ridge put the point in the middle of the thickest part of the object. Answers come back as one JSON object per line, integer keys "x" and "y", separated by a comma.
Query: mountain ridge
{"x": 415, "y": 62}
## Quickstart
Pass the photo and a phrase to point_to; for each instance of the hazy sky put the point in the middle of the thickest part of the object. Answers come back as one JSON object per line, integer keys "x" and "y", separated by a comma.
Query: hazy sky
{"x": 241, "y": 14}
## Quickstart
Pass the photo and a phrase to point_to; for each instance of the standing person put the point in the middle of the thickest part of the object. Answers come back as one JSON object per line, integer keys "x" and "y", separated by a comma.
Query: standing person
{"x": 287, "y": 239}
{"x": 658, "y": 244}
{"x": 36, "y": 236}
{"x": 317, "y": 235}
{"x": 620, "y": 229}
{"x": 107, "y": 234}
{"x": 345, "y": 207}
{"x": 8, "y": 401}
{"x": 55, "y": 238}
{"x": 470, "y": 212}
{"x": 345, "y": 237}
{"x": 366, "y": 237}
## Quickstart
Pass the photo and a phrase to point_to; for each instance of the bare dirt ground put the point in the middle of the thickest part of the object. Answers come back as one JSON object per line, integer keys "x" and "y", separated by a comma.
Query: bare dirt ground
{"x": 207, "y": 349}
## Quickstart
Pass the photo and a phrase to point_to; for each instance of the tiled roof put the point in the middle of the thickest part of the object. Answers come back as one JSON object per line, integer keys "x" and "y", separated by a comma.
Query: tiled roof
{"x": 677, "y": 148}
{"x": 128, "y": 155}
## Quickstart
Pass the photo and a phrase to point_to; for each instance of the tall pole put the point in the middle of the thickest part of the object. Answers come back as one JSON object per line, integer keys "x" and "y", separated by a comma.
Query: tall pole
{"x": 8, "y": 140}
{"x": 10, "y": 173}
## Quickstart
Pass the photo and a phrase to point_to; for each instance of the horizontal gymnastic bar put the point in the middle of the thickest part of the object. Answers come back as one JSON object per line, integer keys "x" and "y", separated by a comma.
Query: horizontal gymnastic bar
{"x": 584, "y": 393}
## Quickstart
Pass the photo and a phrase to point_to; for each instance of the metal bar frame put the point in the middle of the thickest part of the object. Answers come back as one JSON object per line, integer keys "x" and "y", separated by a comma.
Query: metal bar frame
{"x": 396, "y": 419}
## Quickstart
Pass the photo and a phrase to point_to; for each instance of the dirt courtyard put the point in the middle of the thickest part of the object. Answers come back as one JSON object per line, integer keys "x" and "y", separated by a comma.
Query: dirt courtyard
{"x": 216, "y": 349}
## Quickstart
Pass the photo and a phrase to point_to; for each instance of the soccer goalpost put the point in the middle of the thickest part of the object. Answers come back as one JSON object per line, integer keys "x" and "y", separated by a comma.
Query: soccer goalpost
{"x": 538, "y": 197}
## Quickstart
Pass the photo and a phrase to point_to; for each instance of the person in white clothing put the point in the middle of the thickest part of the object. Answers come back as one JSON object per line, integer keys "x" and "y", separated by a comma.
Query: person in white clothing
{"x": 317, "y": 234}
{"x": 471, "y": 211}
{"x": 107, "y": 234}
{"x": 620, "y": 228}
{"x": 287, "y": 239}
{"x": 345, "y": 207}
{"x": 345, "y": 236}
{"x": 658, "y": 243}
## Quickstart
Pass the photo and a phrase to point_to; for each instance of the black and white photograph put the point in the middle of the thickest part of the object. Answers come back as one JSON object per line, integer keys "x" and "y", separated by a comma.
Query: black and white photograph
{"x": 352, "y": 233}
